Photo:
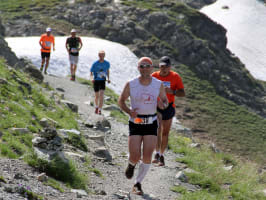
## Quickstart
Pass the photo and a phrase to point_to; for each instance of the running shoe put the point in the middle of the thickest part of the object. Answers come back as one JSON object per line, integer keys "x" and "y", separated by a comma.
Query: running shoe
{"x": 156, "y": 158}
{"x": 161, "y": 161}
{"x": 41, "y": 69}
{"x": 99, "y": 112}
{"x": 74, "y": 77}
{"x": 45, "y": 72}
{"x": 137, "y": 189}
{"x": 96, "y": 110}
{"x": 130, "y": 171}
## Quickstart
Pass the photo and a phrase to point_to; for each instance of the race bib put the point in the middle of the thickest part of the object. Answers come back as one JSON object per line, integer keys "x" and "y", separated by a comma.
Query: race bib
{"x": 47, "y": 44}
{"x": 74, "y": 50}
{"x": 166, "y": 84}
{"x": 102, "y": 74}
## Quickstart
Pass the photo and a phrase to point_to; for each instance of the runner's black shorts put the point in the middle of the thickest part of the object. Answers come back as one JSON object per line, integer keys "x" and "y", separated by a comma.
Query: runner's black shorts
{"x": 99, "y": 85}
{"x": 167, "y": 113}
{"x": 45, "y": 55}
{"x": 143, "y": 129}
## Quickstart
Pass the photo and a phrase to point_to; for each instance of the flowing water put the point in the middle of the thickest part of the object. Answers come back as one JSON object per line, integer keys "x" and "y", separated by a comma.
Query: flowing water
{"x": 245, "y": 21}
{"x": 123, "y": 61}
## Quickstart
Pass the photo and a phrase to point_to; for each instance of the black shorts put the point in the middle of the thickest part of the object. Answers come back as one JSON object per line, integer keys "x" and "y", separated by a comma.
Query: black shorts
{"x": 167, "y": 113}
{"x": 99, "y": 85}
{"x": 143, "y": 129}
{"x": 45, "y": 54}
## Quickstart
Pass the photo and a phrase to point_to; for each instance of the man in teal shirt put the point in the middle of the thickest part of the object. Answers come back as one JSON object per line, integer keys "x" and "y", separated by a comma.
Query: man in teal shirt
{"x": 100, "y": 71}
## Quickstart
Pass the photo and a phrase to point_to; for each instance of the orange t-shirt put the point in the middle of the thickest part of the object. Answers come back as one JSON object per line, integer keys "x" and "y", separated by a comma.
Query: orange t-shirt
{"x": 46, "y": 42}
{"x": 173, "y": 81}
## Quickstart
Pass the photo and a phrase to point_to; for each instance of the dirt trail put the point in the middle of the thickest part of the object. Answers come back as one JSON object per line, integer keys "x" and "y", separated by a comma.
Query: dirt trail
{"x": 156, "y": 184}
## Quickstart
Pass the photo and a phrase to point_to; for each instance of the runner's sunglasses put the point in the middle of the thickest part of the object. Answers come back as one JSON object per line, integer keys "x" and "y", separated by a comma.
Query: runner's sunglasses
{"x": 142, "y": 66}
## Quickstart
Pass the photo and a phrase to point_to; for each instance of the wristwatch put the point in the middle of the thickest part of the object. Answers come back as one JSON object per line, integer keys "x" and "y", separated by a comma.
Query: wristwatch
{"x": 174, "y": 92}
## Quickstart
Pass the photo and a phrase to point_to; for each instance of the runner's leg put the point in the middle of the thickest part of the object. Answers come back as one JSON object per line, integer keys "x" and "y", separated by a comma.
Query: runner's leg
{"x": 134, "y": 148}
{"x": 96, "y": 99}
{"x": 166, "y": 126}
{"x": 101, "y": 97}
{"x": 47, "y": 64}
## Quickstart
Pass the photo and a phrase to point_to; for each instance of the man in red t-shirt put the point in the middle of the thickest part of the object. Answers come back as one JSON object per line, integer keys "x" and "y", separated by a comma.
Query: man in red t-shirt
{"x": 46, "y": 42}
{"x": 174, "y": 87}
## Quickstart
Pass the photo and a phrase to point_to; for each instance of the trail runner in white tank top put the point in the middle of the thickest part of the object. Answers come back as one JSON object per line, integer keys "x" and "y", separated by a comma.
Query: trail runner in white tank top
{"x": 143, "y": 92}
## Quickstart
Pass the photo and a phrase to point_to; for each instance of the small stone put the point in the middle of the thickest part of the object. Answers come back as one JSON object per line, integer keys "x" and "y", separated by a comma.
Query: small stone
{"x": 79, "y": 193}
{"x": 194, "y": 145}
{"x": 42, "y": 177}
{"x": 20, "y": 176}
{"x": 20, "y": 130}
{"x": 102, "y": 152}
{"x": 181, "y": 176}
{"x": 228, "y": 168}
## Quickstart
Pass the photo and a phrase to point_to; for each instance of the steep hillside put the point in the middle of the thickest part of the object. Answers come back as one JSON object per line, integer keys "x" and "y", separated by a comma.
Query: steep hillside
{"x": 224, "y": 102}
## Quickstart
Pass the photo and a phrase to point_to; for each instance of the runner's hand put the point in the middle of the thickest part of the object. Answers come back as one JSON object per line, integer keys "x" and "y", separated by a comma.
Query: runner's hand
{"x": 133, "y": 113}
{"x": 108, "y": 81}
{"x": 168, "y": 90}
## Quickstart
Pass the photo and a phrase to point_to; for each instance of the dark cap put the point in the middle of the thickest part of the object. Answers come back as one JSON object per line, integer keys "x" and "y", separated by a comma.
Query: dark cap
{"x": 165, "y": 60}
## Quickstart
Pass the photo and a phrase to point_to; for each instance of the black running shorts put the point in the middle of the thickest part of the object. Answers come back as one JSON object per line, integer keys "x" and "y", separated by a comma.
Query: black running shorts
{"x": 143, "y": 129}
{"x": 45, "y": 55}
{"x": 99, "y": 85}
{"x": 167, "y": 113}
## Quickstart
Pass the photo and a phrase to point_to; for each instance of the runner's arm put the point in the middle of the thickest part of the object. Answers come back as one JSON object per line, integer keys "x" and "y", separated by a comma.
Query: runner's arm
{"x": 67, "y": 47}
{"x": 80, "y": 43}
{"x": 179, "y": 93}
{"x": 108, "y": 77}
{"x": 163, "y": 98}
{"x": 53, "y": 45}
{"x": 122, "y": 101}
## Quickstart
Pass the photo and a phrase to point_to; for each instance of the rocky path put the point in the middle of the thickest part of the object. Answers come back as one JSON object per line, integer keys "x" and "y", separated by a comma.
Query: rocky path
{"x": 106, "y": 139}
{"x": 159, "y": 180}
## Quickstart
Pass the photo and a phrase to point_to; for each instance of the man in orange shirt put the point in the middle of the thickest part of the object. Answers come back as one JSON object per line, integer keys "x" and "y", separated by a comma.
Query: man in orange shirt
{"x": 46, "y": 42}
{"x": 174, "y": 87}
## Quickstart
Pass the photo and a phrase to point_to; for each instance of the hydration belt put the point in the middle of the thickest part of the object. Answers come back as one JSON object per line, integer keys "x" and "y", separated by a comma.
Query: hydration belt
{"x": 145, "y": 119}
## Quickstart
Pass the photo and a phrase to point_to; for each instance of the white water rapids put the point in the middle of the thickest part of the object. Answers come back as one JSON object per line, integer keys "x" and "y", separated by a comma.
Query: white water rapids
{"x": 123, "y": 61}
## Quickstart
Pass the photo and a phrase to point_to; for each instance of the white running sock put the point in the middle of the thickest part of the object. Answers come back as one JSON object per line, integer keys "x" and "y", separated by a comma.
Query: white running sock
{"x": 131, "y": 163}
{"x": 143, "y": 169}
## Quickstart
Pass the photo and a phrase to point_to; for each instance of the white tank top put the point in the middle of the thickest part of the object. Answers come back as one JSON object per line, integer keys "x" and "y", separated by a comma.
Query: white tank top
{"x": 144, "y": 97}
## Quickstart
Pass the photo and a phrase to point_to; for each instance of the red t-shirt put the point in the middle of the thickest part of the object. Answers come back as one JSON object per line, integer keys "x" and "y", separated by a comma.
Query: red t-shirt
{"x": 173, "y": 81}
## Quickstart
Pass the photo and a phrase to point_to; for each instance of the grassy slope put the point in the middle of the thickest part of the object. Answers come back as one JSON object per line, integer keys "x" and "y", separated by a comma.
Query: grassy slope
{"x": 21, "y": 108}
{"x": 241, "y": 183}
{"x": 233, "y": 127}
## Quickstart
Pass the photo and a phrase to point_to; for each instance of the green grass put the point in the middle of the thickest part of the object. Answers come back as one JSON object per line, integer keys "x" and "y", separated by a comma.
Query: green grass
{"x": 210, "y": 175}
{"x": 2, "y": 179}
{"x": 232, "y": 126}
{"x": 54, "y": 184}
{"x": 62, "y": 171}
{"x": 96, "y": 171}
{"x": 76, "y": 141}
{"x": 17, "y": 8}
{"x": 16, "y": 111}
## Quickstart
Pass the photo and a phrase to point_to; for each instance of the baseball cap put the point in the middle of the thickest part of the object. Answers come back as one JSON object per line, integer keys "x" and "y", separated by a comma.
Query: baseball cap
{"x": 165, "y": 61}
{"x": 146, "y": 60}
{"x": 48, "y": 29}
{"x": 73, "y": 31}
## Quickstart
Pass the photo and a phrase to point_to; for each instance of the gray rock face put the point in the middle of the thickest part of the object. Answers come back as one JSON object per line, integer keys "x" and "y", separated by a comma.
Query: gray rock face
{"x": 48, "y": 145}
{"x": 102, "y": 152}
{"x": 69, "y": 104}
